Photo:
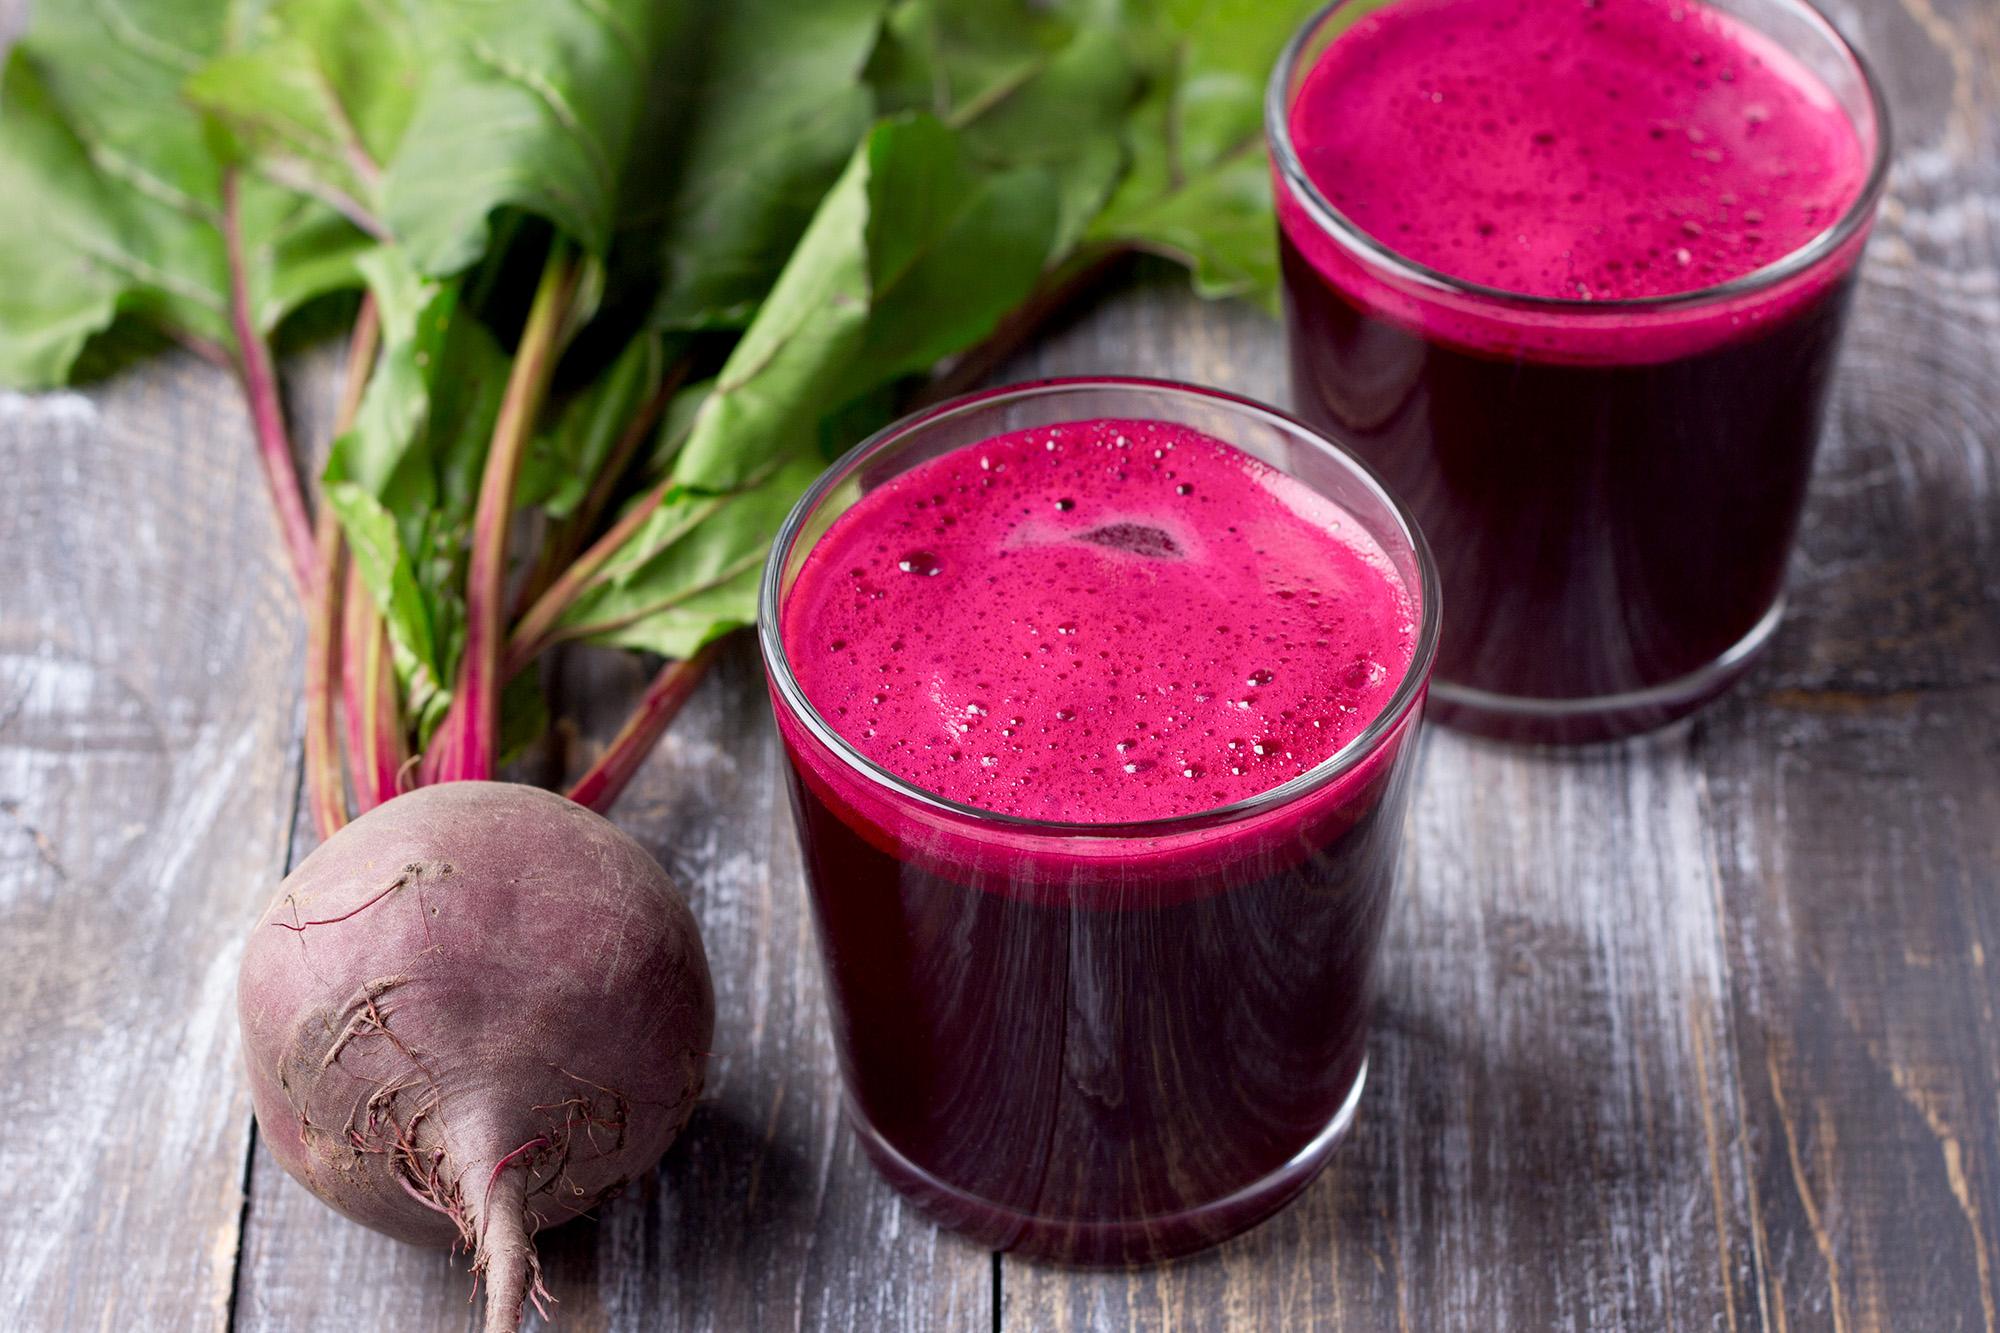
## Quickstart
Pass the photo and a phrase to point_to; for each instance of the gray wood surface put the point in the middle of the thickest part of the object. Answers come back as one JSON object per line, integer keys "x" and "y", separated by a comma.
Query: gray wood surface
{"x": 1696, "y": 1031}
{"x": 147, "y": 730}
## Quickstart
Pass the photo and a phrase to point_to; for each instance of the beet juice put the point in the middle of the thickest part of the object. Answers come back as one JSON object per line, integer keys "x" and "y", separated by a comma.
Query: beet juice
{"x": 1572, "y": 274}
{"x": 1100, "y": 733}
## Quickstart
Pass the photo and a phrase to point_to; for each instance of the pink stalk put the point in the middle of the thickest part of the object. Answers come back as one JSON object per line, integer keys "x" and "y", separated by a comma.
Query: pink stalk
{"x": 376, "y": 749}
{"x": 466, "y": 744}
{"x": 267, "y": 411}
{"x": 326, "y": 790}
{"x": 602, "y": 784}
{"x": 326, "y": 787}
{"x": 369, "y": 697}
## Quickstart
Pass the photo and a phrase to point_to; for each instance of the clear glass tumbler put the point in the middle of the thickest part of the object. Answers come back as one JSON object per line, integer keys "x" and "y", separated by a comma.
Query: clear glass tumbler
{"x": 1100, "y": 1043}
{"x": 1611, "y": 487}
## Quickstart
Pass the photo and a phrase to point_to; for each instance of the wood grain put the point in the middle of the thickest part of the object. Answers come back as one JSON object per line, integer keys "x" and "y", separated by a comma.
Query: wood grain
{"x": 1853, "y": 785}
{"x": 1859, "y": 847}
{"x": 147, "y": 722}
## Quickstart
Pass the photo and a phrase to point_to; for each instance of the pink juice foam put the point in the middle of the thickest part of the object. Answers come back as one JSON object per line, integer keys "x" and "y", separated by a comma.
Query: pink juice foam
{"x": 1098, "y": 622}
{"x": 1608, "y": 150}
{"x": 1579, "y": 150}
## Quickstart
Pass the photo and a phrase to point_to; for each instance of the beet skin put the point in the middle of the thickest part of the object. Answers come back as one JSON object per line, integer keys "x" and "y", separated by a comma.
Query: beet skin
{"x": 476, "y": 1011}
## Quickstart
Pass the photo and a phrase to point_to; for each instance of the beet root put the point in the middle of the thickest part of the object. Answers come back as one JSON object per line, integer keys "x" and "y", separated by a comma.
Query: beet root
{"x": 476, "y": 1011}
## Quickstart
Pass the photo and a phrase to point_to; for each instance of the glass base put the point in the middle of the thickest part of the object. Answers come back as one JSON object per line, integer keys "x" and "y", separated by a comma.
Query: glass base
{"x": 1606, "y": 717}
{"x": 1101, "y": 1242}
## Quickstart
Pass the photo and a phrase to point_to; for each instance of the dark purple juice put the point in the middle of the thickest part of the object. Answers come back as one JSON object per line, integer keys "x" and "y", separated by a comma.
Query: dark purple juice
{"x": 1085, "y": 1081}
{"x": 1610, "y": 465}
{"x": 1104, "y": 1039}
{"x": 1594, "y": 535}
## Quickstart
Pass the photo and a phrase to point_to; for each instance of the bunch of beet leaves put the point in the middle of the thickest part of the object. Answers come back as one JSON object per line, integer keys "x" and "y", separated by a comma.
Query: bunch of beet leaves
{"x": 623, "y": 275}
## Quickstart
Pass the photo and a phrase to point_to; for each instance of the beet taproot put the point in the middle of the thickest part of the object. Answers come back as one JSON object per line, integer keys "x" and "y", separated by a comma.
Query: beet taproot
{"x": 476, "y": 1011}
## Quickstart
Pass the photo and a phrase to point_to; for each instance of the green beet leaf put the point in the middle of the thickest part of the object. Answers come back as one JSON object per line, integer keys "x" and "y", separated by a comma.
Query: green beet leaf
{"x": 419, "y": 119}
{"x": 529, "y": 103}
{"x": 912, "y": 256}
{"x": 712, "y": 567}
{"x": 766, "y": 403}
{"x": 64, "y": 257}
{"x": 415, "y": 314}
{"x": 320, "y": 95}
{"x": 563, "y": 462}
{"x": 1026, "y": 84}
{"x": 679, "y": 630}
{"x": 115, "y": 190}
{"x": 776, "y": 105}
{"x": 950, "y": 250}
{"x": 1199, "y": 186}
{"x": 955, "y": 58}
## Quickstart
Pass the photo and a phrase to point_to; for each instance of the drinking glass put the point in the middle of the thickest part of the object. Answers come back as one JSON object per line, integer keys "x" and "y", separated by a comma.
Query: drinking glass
{"x": 1100, "y": 1043}
{"x": 1611, "y": 487}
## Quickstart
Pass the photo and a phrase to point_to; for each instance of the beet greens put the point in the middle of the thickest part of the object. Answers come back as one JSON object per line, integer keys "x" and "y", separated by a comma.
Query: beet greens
{"x": 629, "y": 273}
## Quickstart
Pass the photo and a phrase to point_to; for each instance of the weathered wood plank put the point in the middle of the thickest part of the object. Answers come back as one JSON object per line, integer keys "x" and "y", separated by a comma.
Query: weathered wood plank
{"x": 1856, "y": 785}
{"x": 764, "y": 1215}
{"x": 149, "y": 647}
{"x": 1860, "y": 854}
{"x": 1896, "y": 584}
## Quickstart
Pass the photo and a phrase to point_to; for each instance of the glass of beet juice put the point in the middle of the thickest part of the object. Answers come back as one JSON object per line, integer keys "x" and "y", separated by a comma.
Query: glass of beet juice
{"x": 1571, "y": 275}
{"x": 1100, "y": 699}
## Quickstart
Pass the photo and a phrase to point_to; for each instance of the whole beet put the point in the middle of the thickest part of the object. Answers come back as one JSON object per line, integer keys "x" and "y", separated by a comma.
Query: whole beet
{"x": 477, "y": 1010}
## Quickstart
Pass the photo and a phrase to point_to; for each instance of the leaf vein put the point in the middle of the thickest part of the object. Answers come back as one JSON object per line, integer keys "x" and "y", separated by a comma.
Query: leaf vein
{"x": 149, "y": 274}
{"x": 614, "y": 23}
{"x": 747, "y": 561}
{"x": 126, "y": 30}
{"x": 128, "y": 173}
{"x": 552, "y": 98}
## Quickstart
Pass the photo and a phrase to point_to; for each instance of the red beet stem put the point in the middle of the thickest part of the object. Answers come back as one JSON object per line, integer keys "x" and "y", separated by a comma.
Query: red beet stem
{"x": 466, "y": 744}
{"x": 267, "y": 411}
{"x": 362, "y": 344}
{"x": 326, "y": 787}
{"x": 601, "y": 785}
{"x": 376, "y": 749}
{"x": 375, "y": 745}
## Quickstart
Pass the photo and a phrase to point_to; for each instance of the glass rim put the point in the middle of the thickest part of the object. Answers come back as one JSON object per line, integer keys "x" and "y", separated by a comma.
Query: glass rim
{"x": 1336, "y": 225}
{"x": 1329, "y": 770}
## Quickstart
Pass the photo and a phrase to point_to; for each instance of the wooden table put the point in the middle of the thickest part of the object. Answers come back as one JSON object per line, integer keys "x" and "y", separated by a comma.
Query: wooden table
{"x": 1693, "y": 1032}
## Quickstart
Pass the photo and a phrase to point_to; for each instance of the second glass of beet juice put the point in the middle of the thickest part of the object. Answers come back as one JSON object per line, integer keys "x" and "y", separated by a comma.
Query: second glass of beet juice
{"x": 1100, "y": 699}
{"x": 1571, "y": 274}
